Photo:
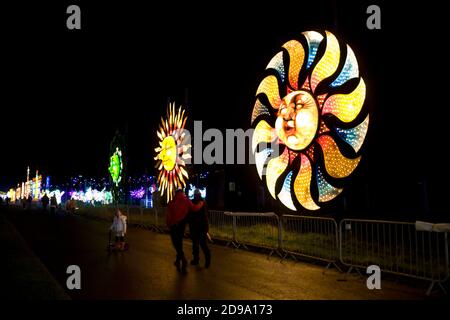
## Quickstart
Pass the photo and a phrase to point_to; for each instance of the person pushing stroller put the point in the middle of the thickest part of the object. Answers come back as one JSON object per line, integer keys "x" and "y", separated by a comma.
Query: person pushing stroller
{"x": 119, "y": 227}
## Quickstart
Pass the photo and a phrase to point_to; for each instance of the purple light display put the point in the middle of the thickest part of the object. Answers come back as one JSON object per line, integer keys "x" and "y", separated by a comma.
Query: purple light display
{"x": 137, "y": 193}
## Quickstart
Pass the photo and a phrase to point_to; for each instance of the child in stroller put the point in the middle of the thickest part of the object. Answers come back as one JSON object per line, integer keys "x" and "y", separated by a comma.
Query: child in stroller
{"x": 119, "y": 228}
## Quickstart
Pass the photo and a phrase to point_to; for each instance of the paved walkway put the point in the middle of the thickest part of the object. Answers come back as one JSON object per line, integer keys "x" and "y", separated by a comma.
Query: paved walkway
{"x": 146, "y": 270}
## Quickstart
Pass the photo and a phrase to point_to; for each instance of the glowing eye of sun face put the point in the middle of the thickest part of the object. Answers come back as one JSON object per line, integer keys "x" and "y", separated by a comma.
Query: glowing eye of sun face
{"x": 297, "y": 120}
{"x": 168, "y": 154}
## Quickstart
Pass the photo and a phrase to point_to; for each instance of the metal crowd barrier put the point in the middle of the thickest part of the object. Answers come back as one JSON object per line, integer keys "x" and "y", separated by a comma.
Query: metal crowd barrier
{"x": 152, "y": 219}
{"x": 220, "y": 225}
{"x": 397, "y": 248}
{"x": 311, "y": 237}
{"x": 134, "y": 216}
{"x": 258, "y": 229}
{"x": 160, "y": 218}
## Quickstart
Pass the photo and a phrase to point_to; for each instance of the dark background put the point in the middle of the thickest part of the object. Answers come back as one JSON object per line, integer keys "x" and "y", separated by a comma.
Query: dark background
{"x": 64, "y": 93}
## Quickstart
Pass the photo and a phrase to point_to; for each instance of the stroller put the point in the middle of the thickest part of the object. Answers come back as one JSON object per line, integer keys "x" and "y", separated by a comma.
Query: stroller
{"x": 114, "y": 246}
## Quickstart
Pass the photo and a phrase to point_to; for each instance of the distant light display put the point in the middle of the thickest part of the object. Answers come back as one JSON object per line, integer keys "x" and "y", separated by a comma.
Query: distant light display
{"x": 116, "y": 166}
{"x": 36, "y": 186}
{"x": 192, "y": 189}
{"x": 138, "y": 193}
{"x": 311, "y": 104}
{"x": 92, "y": 196}
{"x": 12, "y": 195}
{"x": 172, "y": 152}
{"x": 57, "y": 193}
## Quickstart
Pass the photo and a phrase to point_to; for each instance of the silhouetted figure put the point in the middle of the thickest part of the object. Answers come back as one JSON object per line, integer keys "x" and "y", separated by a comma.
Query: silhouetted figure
{"x": 29, "y": 201}
{"x": 198, "y": 229}
{"x": 71, "y": 206}
{"x": 45, "y": 201}
{"x": 177, "y": 210}
{"x": 7, "y": 200}
{"x": 53, "y": 204}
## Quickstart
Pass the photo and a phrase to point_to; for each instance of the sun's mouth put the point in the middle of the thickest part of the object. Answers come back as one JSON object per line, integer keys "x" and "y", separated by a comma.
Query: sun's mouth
{"x": 289, "y": 127}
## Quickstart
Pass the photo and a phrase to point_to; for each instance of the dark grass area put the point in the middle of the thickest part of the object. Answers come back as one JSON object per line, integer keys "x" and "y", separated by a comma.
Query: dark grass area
{"x": 24, "y": 276}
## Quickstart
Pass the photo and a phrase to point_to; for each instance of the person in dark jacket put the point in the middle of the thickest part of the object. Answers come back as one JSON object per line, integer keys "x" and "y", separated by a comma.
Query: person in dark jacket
{"x": 29, "y": 202}
{"x": 198, "y": 229}
{"x": 177, "y": 210}
{"x": 53, "y": 204}
{"x": 45, "y": 201}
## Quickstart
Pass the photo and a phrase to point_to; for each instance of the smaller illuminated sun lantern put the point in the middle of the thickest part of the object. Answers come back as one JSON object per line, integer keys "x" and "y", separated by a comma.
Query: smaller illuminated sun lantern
{"x": 172, "y": 152}
{"x": 116, "y": 166}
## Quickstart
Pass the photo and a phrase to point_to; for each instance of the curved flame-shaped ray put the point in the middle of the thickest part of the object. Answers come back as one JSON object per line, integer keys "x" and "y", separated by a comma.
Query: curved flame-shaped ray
{"x": 285, "y": 193}
{"x": 260, "y": 159}
{"x": 355, "y": 136}
{"x": 263, "y": 133}
{"x": 313, "y": 38}
{"x": 328, "y": 64}
{"x": 296, "y": 58}
{"x": 259, "y": 109}
{"x": 277, "y": 64}
{"x": 336, "y": 164}
{"x": 349, "y": 71}
{"x": 275, "y": 168}
{"x": 302, "y": 185}
{"x": 326, "y": 191}
{"x": 346, "y": 107}
{"x": 269, "y": 87}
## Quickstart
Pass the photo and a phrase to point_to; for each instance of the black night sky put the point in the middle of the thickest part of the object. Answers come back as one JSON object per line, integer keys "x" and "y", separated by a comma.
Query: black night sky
{"x": 64, "y": 93}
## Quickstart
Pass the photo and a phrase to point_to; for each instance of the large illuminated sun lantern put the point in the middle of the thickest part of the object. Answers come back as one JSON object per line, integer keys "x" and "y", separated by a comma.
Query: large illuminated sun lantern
{"x": 116, "y": 166}
{"x": 310, "y": 104}
{"x": 172, "y": 152}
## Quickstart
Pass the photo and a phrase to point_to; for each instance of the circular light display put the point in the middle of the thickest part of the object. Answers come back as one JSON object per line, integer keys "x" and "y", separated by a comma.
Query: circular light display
{"x": 310, "y": 104}
{"x": 116, "y": 166}
{"x": 172, "y": 152}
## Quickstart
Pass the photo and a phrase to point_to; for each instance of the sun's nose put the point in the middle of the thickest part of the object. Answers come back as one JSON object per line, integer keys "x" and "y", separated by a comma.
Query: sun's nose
{"x": 289, "y": 114}
{"x": 292, "y": 113}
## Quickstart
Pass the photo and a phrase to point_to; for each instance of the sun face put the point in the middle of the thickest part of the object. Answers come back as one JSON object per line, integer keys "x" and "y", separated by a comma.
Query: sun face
{"x": 116, "y": 166}
{"x": 297, "y": 120}
{"x": 172, "y": 152}
{"x": 168, "y": 153}
{"x": 310, "y": 105}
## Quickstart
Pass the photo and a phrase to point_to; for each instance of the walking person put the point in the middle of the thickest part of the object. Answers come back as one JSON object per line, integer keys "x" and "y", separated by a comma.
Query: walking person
{"x": 45, "y": 201}
{"x": 198, "y": 229}
{"x": 70, "y": 206}
{"x": 177, "y": 210}
{"x": 29, "y": 202}
{"x": 53, "y": 204}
